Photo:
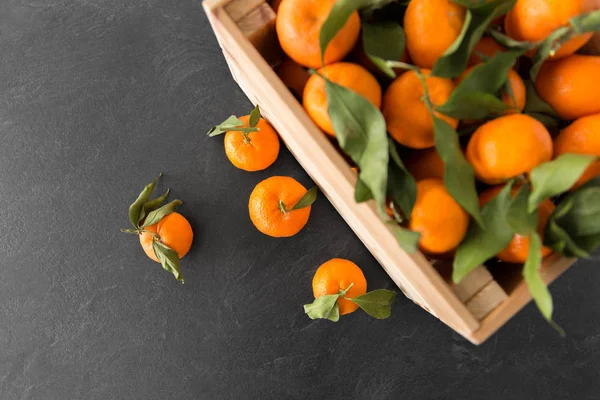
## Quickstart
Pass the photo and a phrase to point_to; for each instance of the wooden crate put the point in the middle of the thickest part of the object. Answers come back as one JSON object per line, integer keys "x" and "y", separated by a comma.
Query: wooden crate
{"x": 478, "y": 306}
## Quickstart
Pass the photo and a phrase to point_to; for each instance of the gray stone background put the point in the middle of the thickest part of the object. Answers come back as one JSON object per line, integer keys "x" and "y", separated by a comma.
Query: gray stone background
{"x": 96, "y": 98}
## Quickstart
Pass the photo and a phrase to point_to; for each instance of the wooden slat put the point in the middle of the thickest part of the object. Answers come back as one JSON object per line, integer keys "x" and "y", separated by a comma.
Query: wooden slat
{"x": 552, "y": 268}
{"x": 476, "y": 280}
{"x": 328, "y": 168}
{"x": 237, "y": 9}
{"x": 486, "y": 300}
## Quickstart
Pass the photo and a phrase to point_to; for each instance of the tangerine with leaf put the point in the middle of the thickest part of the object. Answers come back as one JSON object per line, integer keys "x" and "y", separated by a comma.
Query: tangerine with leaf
{"x": 298, "y": 26}
{"x": 407, "y": 117}
{"x": 507, "y": 147}
{"x": 518, "y": 249}
{"x": 349, "y": 75}
{"x": 441, "y": 221}
{"x": 251, "y": 144}
{"x": 431, "y": 27}
{"x": 581, "y": 137}
{"x": 565, "y": 85}
{"x": 534, "y": 20}
{"x": 340, "y": 288}
{"x": 165, "y": 235}
{"x": 280, "y": 206}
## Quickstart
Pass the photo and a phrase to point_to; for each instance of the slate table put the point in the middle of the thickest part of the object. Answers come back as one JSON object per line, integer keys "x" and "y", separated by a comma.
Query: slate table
{"x": 99, "y": 96}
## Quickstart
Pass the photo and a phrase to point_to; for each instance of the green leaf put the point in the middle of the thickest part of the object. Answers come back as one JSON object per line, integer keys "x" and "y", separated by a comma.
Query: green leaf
{"x": 584, "y": 216}
{"x": 551, "y": 123}
{"x": 459, "y": 176}
{"x": 476, "y": 96}
{"x": 153, "y": 205}
{"x": 573, "y": 229}
{"x": 325, "y": 307}
{"x": 402, "y": 186}
{"x": 157, "y": 202}
{"x": 361, "y": 132}
{"x": 535, "y": 283}
{"x": 156, "y": 215}
{"x": 232, "y": 123}
{"x": 455, "y": 59}
{"x": 377, "y": 303}
{"x": 337, "y": 18}
{"x": 535, "y": 104}
{"x": 585, "y": 23}
{"x": 254, "y": 117}
{"x": 518, "y": 217}
{"x": 383, "y": 41}
{"x": 473, "y": 105}
{"x": 551, "y": 44}
{"x": 557, "y": 176}
{"x": 168, "y": 258}
{"x": 509, "y": 43}
{"x": 479, "y": 245}
{"x": 362, "y": 192}
{"x": 305, "y": 201}
{"x": 407, "y": 239}
{"x": 135, "y": 208}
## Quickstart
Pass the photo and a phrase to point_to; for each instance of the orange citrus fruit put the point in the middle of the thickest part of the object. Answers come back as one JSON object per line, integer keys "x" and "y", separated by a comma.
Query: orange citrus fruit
{"x": 349, "y": 75}
{"x": 431, "y": 26}
{"x": 518, "y": 248}
{"x": 507, "y": 147}
{"x": 438, "y": 217}
{"x": 487, "y": 46}
{"x": 338, "y": 274}
{"x": 565, "y": 85}
{"x": 424, "y": 164}
{"x": 293, "y": 75}
{"x": 174, "y": 232}
{"x": 517, "y": 100}
{"x": 581, "y": 137}
{"x": 269, "y": 202}
{"x": 534, "y": 20}
{"x": 254, "y": 151}
{"x": 298, "y": 26}
{"x": 407, "y": 117}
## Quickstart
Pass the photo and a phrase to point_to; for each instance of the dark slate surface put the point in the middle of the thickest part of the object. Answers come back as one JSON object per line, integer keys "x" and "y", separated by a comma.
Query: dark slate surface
{"x": 96, "y": 98}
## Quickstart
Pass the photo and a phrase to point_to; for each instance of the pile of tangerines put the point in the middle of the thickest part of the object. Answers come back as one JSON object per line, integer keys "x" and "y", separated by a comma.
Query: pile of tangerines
{"x": 492, "y": 112}
{"x": 474, "y": 125}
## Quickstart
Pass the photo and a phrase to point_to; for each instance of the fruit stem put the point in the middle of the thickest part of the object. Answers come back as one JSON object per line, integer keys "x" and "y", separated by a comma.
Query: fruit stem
{"x": 343, "y": 292}
{"x": 282, "y": 207}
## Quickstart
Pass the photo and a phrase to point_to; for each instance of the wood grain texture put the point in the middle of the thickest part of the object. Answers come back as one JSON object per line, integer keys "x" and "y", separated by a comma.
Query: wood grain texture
{"x": 486, "y": 300}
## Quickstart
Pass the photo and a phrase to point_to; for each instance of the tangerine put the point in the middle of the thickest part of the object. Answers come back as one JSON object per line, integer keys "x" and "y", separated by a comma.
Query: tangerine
{"x": 508, "y": 146}
{"x": 407, "y": 117}
{"x": 298, "y": 26}
{"x": 173, "y": 230}
{"x": 270, "y": 203}
{"x": 338, "y": 274}
{"x": 581, "y": 137}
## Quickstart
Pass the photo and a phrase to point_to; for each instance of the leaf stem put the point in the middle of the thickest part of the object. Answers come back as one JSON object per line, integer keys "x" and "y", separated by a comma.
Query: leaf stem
{"x": 242, "y": 129}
